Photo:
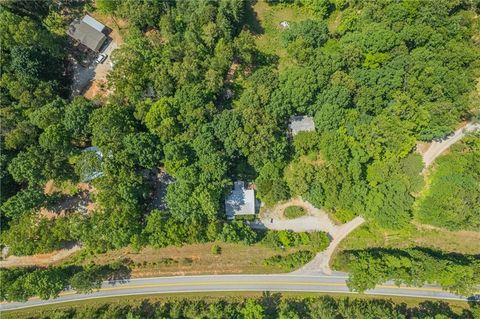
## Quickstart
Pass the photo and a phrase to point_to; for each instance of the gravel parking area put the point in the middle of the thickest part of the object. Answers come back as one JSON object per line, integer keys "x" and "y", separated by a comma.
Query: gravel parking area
{"x": 84, "y": 76}
{"x": 316, "y": 220}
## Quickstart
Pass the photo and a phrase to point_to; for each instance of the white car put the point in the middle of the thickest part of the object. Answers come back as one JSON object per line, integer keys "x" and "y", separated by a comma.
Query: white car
{"x": 101, "y": 57}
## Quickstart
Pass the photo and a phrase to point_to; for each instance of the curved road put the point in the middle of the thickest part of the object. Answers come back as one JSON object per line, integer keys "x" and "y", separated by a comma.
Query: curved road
{"x": 437, "y": 148}
{"x": 335, "y": 283}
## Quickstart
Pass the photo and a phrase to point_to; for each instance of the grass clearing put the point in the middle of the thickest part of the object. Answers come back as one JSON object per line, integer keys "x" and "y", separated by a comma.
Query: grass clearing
{"x": 195, "y": 259}
{"x": 265, "y": 22}
{"x": 292, "y": 212}
{"x": 369, "y": 235}
{"x": 135, "y": 301}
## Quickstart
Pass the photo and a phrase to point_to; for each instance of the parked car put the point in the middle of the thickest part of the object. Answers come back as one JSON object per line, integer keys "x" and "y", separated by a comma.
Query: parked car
{"x": 101, "y": 57}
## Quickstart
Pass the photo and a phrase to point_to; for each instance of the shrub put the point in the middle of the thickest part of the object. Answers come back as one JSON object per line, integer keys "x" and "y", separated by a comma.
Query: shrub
{"x": 318, "y": 241}
{"x": 291, "y": 261}
{"x": 246, "y": 217}
{"x": 216, "y": 250}
{"x": 238, "y": 232}
{"x": 292, "y": 212}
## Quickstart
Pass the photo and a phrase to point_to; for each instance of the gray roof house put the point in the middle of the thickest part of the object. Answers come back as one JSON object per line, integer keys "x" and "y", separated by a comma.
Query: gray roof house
{"x": 241, "y": 201}
{"x": 300, "y": 123}
{"x": 86, "y": 31}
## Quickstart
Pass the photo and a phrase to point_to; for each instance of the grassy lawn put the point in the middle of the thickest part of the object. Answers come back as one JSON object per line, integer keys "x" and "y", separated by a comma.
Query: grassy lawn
{"x": 292, "y": 212}
{"x": 265, "y": 21}
{"x": 193, "y": 259}
{"x": 465, "y": 242}
{"x": 136, "y": 301}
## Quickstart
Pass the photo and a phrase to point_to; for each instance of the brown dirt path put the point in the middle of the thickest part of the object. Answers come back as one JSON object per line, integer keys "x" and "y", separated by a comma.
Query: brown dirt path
{"x": 41, "y": 260}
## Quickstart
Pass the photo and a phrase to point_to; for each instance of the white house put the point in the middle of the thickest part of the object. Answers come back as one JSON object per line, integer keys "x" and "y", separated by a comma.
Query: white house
{"x": 240, "y": 202}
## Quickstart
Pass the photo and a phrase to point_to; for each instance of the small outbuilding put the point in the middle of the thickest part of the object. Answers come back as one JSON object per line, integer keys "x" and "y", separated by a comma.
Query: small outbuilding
{"x": 88, "y": 32}
{"x": 300, "y": 123}
{"x": 240, "y": 202}
{"x": 92, "y": 170}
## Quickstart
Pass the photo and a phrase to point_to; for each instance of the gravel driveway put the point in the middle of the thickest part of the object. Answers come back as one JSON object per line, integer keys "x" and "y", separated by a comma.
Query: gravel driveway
{"x": 315, "y": 220}
{"x": 437, "y": 148}
{"x": 83, "y": 76}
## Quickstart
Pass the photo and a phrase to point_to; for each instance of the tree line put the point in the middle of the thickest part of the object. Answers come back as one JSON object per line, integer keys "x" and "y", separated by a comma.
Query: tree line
{"x": 20, "y": 284}
{"x": 459, "y": 274}
{"x": 269, "y": 306}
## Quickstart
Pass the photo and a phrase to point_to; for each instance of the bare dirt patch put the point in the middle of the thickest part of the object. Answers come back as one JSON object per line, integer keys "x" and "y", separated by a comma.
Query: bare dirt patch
{"x": 96, "y": 90}
{"x": 422, "y": 147}
{"x": 49, "y": 187}
{"x": 71, "y": 198}
{"x": 40, "y": 260}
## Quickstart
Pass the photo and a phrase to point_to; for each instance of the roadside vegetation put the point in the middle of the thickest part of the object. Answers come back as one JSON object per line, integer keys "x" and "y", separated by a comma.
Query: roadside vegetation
{"x": 371, "y": 236}
{"x": 20, "y": 284}
{"x": 456, "y": 273}
{"x": 268, "y": 305}
{"x": 256, "y": 253}
{"x": 195, "y": 259}
{"x": 291, "y": 261}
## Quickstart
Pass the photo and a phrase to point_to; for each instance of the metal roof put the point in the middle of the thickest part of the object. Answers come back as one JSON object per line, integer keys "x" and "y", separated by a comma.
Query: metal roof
{"x": 93, "y": 23}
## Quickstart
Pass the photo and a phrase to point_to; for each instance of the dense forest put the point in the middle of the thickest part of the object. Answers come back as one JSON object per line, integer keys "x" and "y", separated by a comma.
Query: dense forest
{"x": 391, "y": 73}
{"x": 269, "y": 306}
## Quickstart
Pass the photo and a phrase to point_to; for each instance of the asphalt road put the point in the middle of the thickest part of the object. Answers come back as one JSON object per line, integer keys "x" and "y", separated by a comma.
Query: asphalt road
{"x": 334, "y": 283}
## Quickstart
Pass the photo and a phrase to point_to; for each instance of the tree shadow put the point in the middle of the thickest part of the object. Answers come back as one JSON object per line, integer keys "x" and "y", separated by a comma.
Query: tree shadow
{"x": 115, "y": 273}
{"x": 251, "y": 19}
{"x": 431, "y": 309}
{"x": 270, "y": 302}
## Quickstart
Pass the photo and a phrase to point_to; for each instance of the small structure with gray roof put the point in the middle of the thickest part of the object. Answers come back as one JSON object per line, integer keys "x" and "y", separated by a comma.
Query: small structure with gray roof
{"x": 86, "y": 32}
{"x": 300, "y": 123}
{"x": 240, "y": 202}
{"x": 93, "y": 173}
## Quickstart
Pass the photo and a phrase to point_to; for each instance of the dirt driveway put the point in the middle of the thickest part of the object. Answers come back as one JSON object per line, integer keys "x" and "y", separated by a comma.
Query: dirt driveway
{"x": 40, "y": 260}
